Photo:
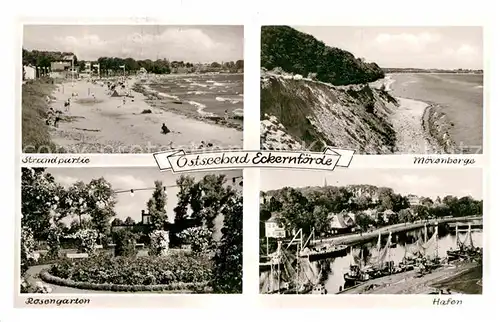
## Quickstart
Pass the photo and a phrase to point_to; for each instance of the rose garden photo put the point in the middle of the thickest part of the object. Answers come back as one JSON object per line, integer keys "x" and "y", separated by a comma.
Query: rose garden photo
{"x": 130, "y": 230}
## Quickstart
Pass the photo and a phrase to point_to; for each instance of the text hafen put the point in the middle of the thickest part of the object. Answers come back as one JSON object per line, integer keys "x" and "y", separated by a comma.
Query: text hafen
{"x": 449, "y": 301}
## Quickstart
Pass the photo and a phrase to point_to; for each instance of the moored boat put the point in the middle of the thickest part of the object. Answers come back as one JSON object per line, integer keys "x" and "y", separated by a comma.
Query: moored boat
{"x": 324, "y": 252}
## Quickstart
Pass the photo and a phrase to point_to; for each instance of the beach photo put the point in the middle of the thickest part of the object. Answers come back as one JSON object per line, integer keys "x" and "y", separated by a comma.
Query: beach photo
{"x": 367, "y": 231}
{"x": 375, "y": 90}
{"x": 122, "y": 230}
{"x": 131, "y": 88}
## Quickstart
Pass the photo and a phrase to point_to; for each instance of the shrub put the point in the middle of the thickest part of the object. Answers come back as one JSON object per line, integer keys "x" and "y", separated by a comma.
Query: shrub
{"x": 87, "y": 240}
{"x": 104, "y": 269}
{"x": 159, "y": 241}
{"x": 124, "y": 243}
{"x": 27, "y": 249}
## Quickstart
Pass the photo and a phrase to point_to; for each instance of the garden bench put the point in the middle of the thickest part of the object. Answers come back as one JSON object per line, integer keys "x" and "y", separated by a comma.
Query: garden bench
{"x": 77, "y": 256}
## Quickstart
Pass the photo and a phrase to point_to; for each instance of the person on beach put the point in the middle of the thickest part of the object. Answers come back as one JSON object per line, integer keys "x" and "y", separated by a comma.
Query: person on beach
{"x": 57, "y": 119}
{"x": 226, "y": 115}
{"x": 164, "y": 129}
{"x": 67, "y": 104}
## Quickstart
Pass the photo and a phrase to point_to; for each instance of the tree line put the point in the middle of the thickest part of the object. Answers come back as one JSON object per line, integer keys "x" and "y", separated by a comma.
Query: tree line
{"x": 308, "y": 208}
{"x": 159, "y": 66}
{"x": 300, "y": 53}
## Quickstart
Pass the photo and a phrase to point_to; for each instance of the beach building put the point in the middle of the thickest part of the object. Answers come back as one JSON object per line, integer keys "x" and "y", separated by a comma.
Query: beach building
{"x": 29, "y": 72}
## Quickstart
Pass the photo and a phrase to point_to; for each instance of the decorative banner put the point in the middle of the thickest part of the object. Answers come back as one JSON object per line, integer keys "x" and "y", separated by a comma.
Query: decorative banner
{"x": 179, "y": 161}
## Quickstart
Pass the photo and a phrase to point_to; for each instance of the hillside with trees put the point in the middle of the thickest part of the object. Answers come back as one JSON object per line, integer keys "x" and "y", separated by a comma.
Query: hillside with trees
{"x": 308, "y": 207}
{"x": 300, "y": 53}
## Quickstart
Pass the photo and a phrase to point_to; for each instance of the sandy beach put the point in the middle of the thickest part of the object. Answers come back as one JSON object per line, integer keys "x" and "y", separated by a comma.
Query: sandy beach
{"x": 407, "y": 120}
{"x": 99, "y": 123}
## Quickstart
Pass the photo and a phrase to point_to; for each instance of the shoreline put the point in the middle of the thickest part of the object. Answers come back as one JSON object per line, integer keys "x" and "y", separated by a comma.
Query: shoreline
{"x": 432, "y": 129}
{"x": 169, "y": 103}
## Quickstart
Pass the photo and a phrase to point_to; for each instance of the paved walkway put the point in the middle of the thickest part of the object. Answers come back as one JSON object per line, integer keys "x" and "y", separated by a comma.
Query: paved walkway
{"x": 32, "y": 277}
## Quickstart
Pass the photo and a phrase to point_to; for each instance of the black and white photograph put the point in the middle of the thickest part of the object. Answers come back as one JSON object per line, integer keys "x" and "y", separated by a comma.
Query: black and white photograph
{"x": 131, "y": 88}
{"x": 371, "y": 231}
{"x": 119, "y": 230}
{"x": 375, "y": 90}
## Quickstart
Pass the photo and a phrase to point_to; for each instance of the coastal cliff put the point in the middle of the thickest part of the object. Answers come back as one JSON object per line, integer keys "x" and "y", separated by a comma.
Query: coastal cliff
{"x": 314, "y": 95}
{"x": 304, "y": 114}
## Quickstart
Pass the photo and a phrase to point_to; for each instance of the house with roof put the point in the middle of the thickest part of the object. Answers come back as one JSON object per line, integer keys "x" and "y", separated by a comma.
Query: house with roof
{"x": 414, "y": 200}
{"x": 274, "y": 228}
{"x": 342, "y": 222}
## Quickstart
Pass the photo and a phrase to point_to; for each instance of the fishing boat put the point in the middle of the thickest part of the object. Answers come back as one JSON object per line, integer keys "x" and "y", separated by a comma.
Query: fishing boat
{"x": 290, "y": 273}
{"x": 314, "y": 254}
{"x": 465, "y": 249}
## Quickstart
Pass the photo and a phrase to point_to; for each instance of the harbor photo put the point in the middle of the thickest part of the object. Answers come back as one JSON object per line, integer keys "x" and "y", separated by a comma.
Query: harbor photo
{"x": 131, "y": 88}
{"x": 122, "y": 230}
{"x": 371, "y": 231}
{"x": 375, "y": 90}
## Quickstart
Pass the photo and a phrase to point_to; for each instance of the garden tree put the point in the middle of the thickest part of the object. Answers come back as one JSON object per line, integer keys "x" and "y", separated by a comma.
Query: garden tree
{"x": 438, "y": 200}
{"x": 117, "y": 222}
{"x": 214, "y": 195}
{"x": 181, "y": 221}
{"x": 157, "y": 207}
{"x": 77, "y": 195}
{"x": 129, "y": 221}
{"x": 385, "y": 199}
{"x": 100, "y": 201}
{"x": 40, "y": 203}
{"x": 228, "y": 260}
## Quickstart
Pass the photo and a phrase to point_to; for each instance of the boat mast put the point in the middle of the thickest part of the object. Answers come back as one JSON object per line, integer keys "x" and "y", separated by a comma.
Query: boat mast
{"x": 456, "y": 236}
{"x": 437, "y": 241}
{"x": 425, "y": 232}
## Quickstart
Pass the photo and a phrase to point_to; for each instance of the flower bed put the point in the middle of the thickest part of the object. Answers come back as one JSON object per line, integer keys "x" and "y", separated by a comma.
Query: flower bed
{"x": 103, "y": 272}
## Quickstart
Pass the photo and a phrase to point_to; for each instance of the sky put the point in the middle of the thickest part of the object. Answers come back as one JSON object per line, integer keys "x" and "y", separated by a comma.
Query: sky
{"x": 181, "y": 43}
{"x": 407, "y": 47}
{"x": 422, "y": 182}
{"x": 130, "y": 178}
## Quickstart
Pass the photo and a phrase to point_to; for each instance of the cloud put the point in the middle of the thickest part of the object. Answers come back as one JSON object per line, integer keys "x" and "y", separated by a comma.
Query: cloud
{"x": 406, "y": 40}
{"x": 188, "y": 44}
{"x": 66, "y": 180}
{"x": 127, "y": 182}
{"x": 410, "y": 183}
